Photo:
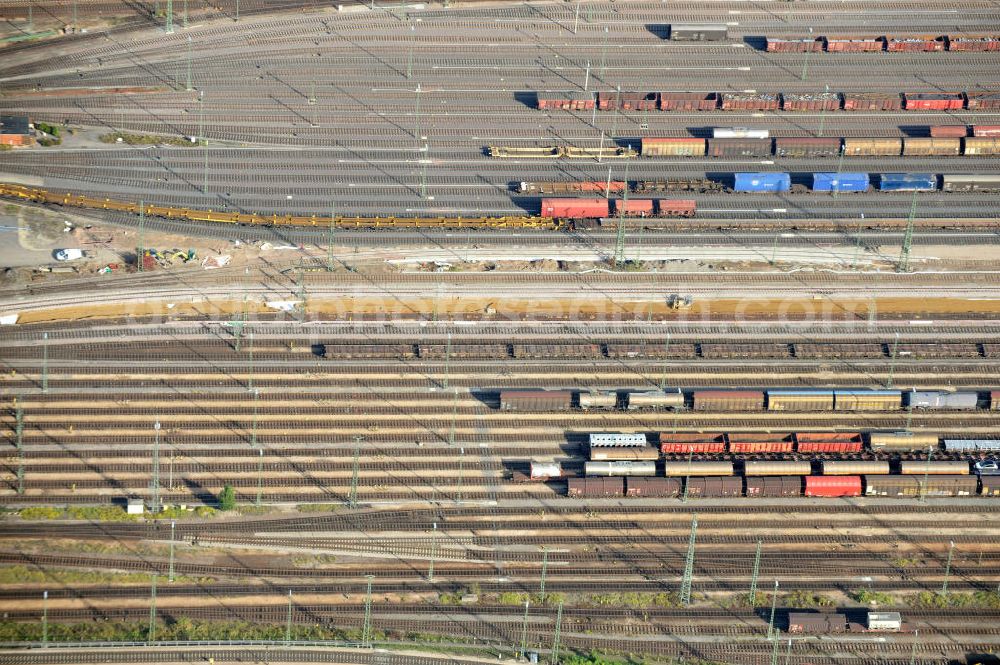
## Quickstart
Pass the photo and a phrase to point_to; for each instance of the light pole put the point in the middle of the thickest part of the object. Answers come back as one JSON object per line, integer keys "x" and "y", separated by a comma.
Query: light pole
{"x": 409, "y": 60}
{"x": 189, "y": 88}
{"x": 45, "y": 618}
{"x": 604, "y": 51}
{"x": 260, "y": 474}
{"x": 170, "y": 572}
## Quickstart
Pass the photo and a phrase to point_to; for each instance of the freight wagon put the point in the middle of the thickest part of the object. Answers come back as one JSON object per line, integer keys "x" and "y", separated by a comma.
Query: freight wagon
{"x": 644, "y": 453}
{"x": 901, "y": 441}
{"x": 686, "y": 443}
{"x": 855, "y": 468}
{"x": 655, "y": 399}
{"x": 566, "y": 101}
{"x": 891, "y": 44}
{"x": 691, "y": 468}
{"x": 800, "y": 400}
{"x": 762, "y": 182}
{"x": 739, "y": 133}
{"x": 933, "y": 468}
{"x": 907, "y": 182}
{"x": 799, "y": 147}
{"x": 653, "y": 487}
{"x": 728, "y": 400}
{"x": 942, "y": 400}
{"x": 642, "y": 468}
{"x": 598, "y": 400}
{"x": 785, "y": 486}
{"x": 833, "y": 442}
{"x": 761, "y": 443}
{"x": 617, "y": 440}
{"x": 867, "y": 400}
{"x": 546, "y": 470}
{"x": 972, "y": 445}
{"x": 536, "y": 400}
{"x": 840, "y": 182}
{"x": 691, "y": 32}
{"x": 970, "y": 183}
{"x": 593, "y": 187}
{"x": 759, "y": 468}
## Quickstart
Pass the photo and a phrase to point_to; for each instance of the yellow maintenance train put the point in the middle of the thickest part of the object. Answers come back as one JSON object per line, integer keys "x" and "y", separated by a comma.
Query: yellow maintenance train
{"x": 22, "y": 193}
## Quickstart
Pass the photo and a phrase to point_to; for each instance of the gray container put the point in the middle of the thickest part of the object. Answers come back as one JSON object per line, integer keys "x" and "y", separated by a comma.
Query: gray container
{"x": 656, "y": 399}
{"x": 698, "y": 32}
{"x": 598, "y": 400}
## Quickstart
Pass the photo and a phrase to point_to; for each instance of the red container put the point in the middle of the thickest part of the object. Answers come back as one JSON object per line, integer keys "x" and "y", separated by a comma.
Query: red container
{"x": 915, "y": 44}
{"x": 761, "y": 443}
{"x": 974, "y": 44}
{"x": 795, "y": 45}
{"x": 933, "y": 101}
{"x": 986, "y": 130}
{"x": 677, "y": 207}
{"x": 688, "y": 101}
{"x": 829, "y": 442}
{"x": 574, "y": 208}
{"x": 983, "y": 100}
{"x": 871, "y": 101}
{"x": 854, "y": 45}
{"x": 949, "y": 131}
{"x": 833, "y": 486}
{"x": 634, "y": 208}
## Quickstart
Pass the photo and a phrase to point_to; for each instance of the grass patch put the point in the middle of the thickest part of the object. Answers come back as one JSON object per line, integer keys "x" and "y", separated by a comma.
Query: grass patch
{"x": 145, "y": 139}
{"x": 634, "y": 600}
{"x": 318, "y": 507}
{"x": 24, "y": 575}
{"x": 806, "y": 599}
{"x": 977, "y": 600}
{"x": 110, "y": 513}
{"x": 868, "y": 597}
{"x": 905, "y": 563}
{"x": 181, "y": 629}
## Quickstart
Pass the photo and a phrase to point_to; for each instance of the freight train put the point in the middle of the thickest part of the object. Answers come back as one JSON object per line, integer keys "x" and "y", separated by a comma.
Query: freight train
{"x": 768, "y": 101}
{"x": 798, "y": 399}
{"x": 767, "y": 468}
{"x": 794, "y": 147}
{"x": 785, "y": 486}
{"x": 898, "y": 44}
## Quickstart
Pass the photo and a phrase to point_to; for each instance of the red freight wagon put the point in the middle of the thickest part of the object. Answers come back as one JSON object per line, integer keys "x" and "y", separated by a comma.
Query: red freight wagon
{"x": 761, "y": 443}
{"x": 836, "y": 45}
{"x": 677, "y": 207}
{"x": 574, "y": 208}
{"x": 833, "y": 486}
{"x": 634, "y": 208}
{"x": 829, "y": 442}
{"x": 949, "y": 131}
{"x": 692, "y": 443}
{"x": 688, "y": 101}
{"x": 983, "y": 100}
{"x": 986, "y": 130}
{"x": 795, "y": 45}
{"x": 915, "y": 44}
{"x": 627, "y": 101}
{"x": 872, "y": 101}
{"x": 566, "y": 101}
{"x": 974, "y": 44}
{"x": 933, "y": 101}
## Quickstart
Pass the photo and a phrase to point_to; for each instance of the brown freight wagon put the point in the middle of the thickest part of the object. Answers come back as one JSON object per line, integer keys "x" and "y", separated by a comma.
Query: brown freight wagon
{"x": 795, "y": 45}
{"x": 845, "y": 45}
{"x": 949, "y": 131}
{"x": 817, "y": 101}
{"x": 772, "y": 486}
{"x": 566, "y": 101}
{"x": 739, "y": 148}
{"x": 806, "y": 147}
{"x": 595, "y": 487}
{"x": 872, "y": 101}
{"x": 915, "y": 44}
{"x": 714, "y": 486}
{"x": 742, "y": 101}
{"x": 536, "y": 400}
{"x": 974, "y": 44}
{"x": 627, "y": 101}
{"x": 976, "y": 146}
{"x": 688, "y": 101}
{"x": 986, "y": 131}
{"x": 933, "y": 147}
{"x": 982, "y": 100}
{"x": 817, "y": 623}
{"x": 654, "y": 487}
{"x": 672, "y": 147}
{"x": 728, "y": 400}
{"x": 872, "y": 147}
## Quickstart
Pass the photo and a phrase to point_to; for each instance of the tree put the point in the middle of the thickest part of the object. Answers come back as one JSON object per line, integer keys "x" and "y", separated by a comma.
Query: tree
{"x": 227, "y": 498}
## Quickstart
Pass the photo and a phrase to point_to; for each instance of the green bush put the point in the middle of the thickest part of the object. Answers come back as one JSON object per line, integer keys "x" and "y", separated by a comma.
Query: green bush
{"x": 868, "y": 597}
{"x": 41, "y": 513}
{"x": 227, "y": 498}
